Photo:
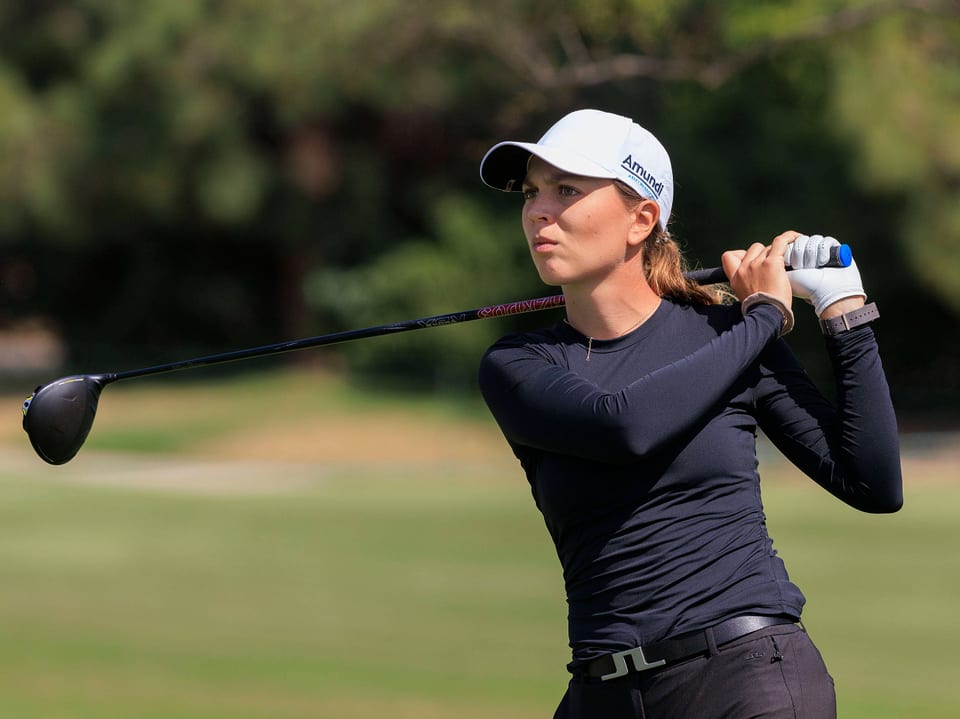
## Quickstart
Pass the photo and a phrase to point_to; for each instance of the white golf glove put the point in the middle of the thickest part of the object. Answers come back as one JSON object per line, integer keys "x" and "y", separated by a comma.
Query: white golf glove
{"x": 820, "y": 286}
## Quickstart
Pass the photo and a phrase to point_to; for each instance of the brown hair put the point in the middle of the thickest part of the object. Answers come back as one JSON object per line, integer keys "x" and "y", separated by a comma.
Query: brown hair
{"x": 664, "y": 264}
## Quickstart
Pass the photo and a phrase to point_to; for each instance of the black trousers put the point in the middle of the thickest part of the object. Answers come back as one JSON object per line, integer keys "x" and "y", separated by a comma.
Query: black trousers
{"x": 774, "y": 673}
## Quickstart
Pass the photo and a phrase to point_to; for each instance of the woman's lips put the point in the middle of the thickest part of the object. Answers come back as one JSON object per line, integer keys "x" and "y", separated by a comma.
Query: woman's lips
{"x": 541, "y": 244}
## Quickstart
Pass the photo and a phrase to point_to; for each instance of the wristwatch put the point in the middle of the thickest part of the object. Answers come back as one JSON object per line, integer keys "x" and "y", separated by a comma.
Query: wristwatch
{"x": 843, "y": 323}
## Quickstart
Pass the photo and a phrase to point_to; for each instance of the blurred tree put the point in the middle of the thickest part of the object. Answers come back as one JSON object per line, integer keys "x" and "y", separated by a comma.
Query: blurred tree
{"x": 218, "y": 172}
{"x": 897, "y": 101}
{"x": 467, "y": 260}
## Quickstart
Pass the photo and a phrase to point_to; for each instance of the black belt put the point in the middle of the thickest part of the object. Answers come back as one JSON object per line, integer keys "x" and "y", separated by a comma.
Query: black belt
{"x": 684, "y": 646}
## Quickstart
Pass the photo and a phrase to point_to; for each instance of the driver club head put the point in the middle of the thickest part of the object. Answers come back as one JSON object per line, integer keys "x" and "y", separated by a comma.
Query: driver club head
{"x": 57, "y": 417}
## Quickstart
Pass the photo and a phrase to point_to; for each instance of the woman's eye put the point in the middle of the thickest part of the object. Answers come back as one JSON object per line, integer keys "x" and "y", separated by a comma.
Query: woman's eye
{"x": 530, "y": 193}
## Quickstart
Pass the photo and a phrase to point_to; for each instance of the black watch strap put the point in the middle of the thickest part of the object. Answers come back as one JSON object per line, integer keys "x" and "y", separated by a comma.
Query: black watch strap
{"x": 838, "y": 325}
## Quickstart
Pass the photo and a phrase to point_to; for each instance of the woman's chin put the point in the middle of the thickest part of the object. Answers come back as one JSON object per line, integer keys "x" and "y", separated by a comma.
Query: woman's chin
{"x": 549, "y": 275}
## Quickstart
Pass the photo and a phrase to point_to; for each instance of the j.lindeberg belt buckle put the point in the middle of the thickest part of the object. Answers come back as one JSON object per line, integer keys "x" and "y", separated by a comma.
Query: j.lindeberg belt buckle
{"x": 639, "y": 663}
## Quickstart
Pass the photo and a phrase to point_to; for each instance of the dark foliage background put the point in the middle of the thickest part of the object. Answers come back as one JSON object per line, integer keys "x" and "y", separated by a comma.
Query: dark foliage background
{"x": 181, "y": 178}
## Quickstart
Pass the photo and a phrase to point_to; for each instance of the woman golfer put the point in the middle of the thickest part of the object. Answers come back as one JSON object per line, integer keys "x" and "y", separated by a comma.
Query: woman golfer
{"x": 635, "y": 421}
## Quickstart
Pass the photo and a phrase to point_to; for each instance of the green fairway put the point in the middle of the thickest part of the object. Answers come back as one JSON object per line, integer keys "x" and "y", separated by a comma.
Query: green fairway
{"x": 357, "y": 594}
{"x": 881, "y": 591}
{"x": 219, "y": 581}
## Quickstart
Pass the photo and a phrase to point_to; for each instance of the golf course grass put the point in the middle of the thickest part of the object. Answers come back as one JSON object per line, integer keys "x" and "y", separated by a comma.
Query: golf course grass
{"x": 279, "y": 546}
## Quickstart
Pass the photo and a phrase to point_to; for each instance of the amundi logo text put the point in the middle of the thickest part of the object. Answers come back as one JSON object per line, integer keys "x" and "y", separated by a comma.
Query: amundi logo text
{"x": 638, "y": 171}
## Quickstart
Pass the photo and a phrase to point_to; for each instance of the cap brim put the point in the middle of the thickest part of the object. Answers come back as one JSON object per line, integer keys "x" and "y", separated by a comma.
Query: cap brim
{"x": 505, "y": 164}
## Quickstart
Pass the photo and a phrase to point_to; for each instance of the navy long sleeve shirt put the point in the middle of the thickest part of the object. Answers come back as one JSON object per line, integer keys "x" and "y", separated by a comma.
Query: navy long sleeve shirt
{"x": 641, "y": 456}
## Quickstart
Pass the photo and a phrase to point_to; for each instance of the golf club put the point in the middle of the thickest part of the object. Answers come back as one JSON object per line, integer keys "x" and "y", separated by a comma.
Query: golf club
{"x": 58, "y": 416}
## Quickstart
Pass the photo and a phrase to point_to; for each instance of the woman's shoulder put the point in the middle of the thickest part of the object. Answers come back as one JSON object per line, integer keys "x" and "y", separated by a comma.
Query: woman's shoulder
{"x": 544, "y": 341}
{"x": 544, "y": 336}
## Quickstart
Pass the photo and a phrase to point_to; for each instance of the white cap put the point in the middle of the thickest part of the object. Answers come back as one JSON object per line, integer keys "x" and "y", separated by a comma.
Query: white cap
{"x": 590, "y": 143}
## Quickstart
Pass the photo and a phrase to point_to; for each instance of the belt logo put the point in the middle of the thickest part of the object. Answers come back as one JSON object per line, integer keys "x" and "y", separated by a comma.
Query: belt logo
{"x": 640, "y": 663}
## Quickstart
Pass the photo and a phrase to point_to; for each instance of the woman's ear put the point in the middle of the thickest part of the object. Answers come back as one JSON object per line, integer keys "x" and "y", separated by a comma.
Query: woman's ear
{"x": 646, "y": 215}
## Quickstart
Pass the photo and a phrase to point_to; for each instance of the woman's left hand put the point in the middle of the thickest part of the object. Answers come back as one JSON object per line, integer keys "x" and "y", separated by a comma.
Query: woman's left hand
{"x": 831, "y": 290}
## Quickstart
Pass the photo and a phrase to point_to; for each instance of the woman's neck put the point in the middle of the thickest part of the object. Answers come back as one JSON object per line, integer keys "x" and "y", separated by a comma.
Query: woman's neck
{"x": 607, "y": 311}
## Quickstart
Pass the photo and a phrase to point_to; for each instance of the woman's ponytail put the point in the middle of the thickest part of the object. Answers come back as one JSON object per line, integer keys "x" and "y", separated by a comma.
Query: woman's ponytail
{"x": 664, "y": 265}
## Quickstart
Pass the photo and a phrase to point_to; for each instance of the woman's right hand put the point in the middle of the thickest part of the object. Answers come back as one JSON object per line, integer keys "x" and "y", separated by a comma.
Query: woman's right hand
{"x": 760, "y": 268}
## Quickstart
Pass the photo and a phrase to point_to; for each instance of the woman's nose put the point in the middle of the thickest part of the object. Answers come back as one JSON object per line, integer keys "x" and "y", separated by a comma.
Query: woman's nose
{"x": 538, "y": 210}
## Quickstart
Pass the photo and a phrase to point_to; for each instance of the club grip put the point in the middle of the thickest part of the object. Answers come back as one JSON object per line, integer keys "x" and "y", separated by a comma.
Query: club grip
{"x": 840, "y": 256}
